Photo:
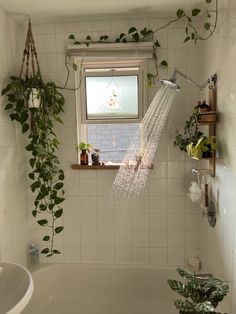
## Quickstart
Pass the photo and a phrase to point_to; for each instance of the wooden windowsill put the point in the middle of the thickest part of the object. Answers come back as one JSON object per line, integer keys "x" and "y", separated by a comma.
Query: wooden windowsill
{"x": 97, "y": 167}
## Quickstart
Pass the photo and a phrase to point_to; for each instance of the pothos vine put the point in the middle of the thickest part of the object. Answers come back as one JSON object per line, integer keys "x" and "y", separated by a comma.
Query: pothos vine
{"x": 134, "y": 35}
{"x": 45, "y": 172}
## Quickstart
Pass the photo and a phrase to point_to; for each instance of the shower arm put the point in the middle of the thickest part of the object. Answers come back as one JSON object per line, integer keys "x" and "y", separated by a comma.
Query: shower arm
{"x": 211, "y": 81}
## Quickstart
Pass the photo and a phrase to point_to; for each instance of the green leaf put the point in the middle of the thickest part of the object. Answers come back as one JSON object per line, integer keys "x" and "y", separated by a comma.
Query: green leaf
{"x": 143, "y": 31}
{"x": 35, "y": 185}
{"x": 157, "y": 44}
{"x": 164, "y": 63}
{"x": 136, "y": 37}
{"x": 32, "y": 162}
{"x": 31, "y": 175}
{"x": 8, "y": 106}
{"x": 58, "y": 213}
{"x": 58, "y": 200}
{"x": 46, "y": 238}
{"x": 195, "y": 12}
{"x": 75, "y": 67}
{"x": 132, "y": 30}
{"x": 6, "y": 90}
{"x": 179, "y": 13}
{"x": 208, "y": 1}
{"x": 43, "y": 207}
{"x": 122, "y": 35}
{"x": 58, "y": 186}
{"x": 34, "y": 212}
{"x": 77, "y": 42}
{"x": 56, "y": 252}
{"x": 61, "y": 176}
{"x": 45, "y": 251}
{"x": 71, "y": 36}
{"x": 207, "y": 26}
{"x": 25, "y": 128}
{"x": 59, "y": 229}
{"x": 51, "y": 206}
{"x": 186, "y": 39}
{"x": 42, "y": 222}
{"x": 88, "y": 37}
{"x": 29, "y": 147}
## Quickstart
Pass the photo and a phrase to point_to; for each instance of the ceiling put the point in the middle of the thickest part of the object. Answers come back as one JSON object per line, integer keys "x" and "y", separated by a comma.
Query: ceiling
{"x": 52, "y": 10}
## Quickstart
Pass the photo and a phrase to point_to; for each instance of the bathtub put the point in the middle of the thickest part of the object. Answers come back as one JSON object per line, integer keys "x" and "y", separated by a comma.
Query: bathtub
{"x": 101, "y": 289}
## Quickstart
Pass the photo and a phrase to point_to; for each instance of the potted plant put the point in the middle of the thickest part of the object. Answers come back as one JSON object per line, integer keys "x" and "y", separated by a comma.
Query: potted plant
{"x": 201, "y": 294}
{"x": 95, "y": 156}
{"x": 191, "y": 132}
{"x": 204, "y": 147}
{"x": 84, "y": 148}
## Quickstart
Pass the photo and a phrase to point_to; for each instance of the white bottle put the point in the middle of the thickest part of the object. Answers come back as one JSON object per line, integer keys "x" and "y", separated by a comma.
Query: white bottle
{"x": 34, "y": 254}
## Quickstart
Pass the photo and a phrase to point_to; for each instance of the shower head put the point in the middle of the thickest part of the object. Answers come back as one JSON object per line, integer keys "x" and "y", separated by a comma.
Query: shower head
{"x": 171, "y": 84}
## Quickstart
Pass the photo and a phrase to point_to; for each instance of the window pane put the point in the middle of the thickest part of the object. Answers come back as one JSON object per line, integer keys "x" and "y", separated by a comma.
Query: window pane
{"x": 112, "y": 97}
{"x": 112, "y": 139}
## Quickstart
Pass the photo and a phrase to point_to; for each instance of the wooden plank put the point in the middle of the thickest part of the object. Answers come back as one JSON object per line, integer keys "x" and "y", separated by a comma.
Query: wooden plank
{"x": 212, "y": 127}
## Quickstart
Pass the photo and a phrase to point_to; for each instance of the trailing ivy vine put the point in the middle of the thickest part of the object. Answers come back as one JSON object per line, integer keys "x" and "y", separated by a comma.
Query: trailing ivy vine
{"x": 192, "y": 33}
{"x": 43, "y": 144}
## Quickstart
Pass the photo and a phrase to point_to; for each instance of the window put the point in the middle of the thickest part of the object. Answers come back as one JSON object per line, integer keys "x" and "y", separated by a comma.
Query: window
{"x": 112, "y": 92}
{"x": 111, "y": 105}
{"x": 112, "y": 139}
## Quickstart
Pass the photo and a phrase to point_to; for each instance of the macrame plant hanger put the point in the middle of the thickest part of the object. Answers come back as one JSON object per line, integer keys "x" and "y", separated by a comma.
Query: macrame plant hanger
{"x": 30, "y": 57}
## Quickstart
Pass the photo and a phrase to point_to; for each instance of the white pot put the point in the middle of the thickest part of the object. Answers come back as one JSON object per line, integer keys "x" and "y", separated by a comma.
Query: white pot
{"x": 34, "y": 98}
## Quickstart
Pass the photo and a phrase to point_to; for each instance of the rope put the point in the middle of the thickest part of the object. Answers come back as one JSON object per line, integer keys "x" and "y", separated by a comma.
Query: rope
{"x": 30, "y": 56}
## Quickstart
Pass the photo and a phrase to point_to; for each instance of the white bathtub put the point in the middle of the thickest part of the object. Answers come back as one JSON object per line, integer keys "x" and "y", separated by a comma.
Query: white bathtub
{"x": 101, "y": 289}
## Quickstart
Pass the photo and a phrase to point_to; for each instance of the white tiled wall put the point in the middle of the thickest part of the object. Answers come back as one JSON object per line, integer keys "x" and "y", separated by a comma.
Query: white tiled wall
{"x": 163, "y": 227}
{"x": 218, "y": 245}
{"x": 14, "y": 218}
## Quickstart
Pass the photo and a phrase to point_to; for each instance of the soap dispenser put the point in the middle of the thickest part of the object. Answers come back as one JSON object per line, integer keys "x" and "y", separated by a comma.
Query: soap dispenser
{"x": 34, "y": 254}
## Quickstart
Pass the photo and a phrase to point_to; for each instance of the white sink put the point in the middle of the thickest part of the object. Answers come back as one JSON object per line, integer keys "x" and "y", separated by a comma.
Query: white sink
{"x": 16, "y": 288}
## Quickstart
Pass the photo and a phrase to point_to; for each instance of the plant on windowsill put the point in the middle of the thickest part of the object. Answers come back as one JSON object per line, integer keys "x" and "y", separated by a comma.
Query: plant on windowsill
{"x": 95, "y": 156}
{"x": 135, "y": 35}
{"x": 84, "y": 148}
{"x": 201, "y": 296}
{"x": 38, "y": 121}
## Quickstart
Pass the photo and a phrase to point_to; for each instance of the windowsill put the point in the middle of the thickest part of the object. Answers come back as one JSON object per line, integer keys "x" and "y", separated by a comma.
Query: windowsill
{"x": 98, "y": 167}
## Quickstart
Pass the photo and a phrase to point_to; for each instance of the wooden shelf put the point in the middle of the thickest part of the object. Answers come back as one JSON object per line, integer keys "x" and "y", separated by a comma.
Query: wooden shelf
{"x": 212, "y": 130}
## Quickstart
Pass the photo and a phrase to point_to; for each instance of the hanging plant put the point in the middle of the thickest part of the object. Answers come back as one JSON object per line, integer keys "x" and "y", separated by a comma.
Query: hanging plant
{"x": 47, "y": 178}
{"x": 134, "y": 35}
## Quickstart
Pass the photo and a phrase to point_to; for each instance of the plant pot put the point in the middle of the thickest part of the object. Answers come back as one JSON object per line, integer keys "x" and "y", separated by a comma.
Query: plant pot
{"x": 84, "y": 158}
{"x": 95, "y": 159}
{"x": 207, "y": 154}
{"x": 34, "y": 98}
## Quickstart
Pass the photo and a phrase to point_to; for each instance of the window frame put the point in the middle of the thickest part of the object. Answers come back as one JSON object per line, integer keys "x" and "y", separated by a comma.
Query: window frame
{"x": 127, "y": 63}
{"x": 82, "y": 122}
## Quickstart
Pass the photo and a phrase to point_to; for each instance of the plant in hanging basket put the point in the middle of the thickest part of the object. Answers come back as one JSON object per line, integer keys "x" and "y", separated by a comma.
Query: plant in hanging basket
{"x": 46, "y": 175}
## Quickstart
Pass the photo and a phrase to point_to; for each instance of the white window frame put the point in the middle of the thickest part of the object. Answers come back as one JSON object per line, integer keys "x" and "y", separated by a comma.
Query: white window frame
{"x": 141, "y": 74}
{"x": 80, "y": 94}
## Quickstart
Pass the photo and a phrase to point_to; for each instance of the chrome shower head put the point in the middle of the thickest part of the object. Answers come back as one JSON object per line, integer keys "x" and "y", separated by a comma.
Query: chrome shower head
{"x": 171, "y": 84}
